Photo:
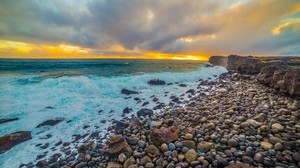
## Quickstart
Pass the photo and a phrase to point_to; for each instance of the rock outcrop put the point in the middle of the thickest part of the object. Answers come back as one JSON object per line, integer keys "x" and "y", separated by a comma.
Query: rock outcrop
{"x": 117, "y": 145}
{"x": 218, "y": 60}
{"x": 280, "y": 73}
{"x": 247, "y": 64}
{"x": 11, "y": 140}
{"x": 283, "y": 78}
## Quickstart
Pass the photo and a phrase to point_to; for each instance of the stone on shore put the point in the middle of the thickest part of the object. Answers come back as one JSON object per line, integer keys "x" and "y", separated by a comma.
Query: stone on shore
{"x": 117, "y": 145}
{"x": 191, "y": 155}
{"x": 51, "y": 122}
{"x": 164, "y": 135}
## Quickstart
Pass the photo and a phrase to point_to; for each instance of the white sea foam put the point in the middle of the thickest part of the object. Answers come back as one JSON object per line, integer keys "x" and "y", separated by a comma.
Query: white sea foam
{"x": 77, "y": 98}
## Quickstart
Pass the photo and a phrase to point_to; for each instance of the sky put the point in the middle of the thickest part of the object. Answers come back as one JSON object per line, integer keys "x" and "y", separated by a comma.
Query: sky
{"x": 150, "y": 29}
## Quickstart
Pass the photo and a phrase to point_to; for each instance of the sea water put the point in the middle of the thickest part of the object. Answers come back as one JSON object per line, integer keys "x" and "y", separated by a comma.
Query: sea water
{"x": 76, "y": 90}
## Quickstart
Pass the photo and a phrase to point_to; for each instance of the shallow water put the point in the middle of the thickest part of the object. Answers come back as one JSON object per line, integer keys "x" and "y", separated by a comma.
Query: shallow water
{"x": 76, "y": 90}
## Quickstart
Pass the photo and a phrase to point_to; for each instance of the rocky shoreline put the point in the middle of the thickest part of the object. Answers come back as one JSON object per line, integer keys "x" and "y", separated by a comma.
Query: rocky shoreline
{"x": 235, "y": 122}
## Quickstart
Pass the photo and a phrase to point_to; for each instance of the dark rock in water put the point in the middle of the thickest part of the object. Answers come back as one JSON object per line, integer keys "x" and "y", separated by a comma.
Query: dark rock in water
{"x": 144, "y": 112}
{"x": 156, "y": 82}
{"x": 51, "y": 122}
{"x": 182, "y": 85}
{"x": 136, "y": 99}
{"x": 11, "y": 140}
{"x": 127, "y": 110}
{"x": 100, "y": 111}
{"x": 160, "y": 106}
{"x": 146, "y": 103}
{"x": 128, "y": 92}
{"x": 155, "y": 99}
{"x": 5, "y": 120}
{"x": 49, "y": 107}
{"x": 120, "y": 126}
{"x": 191, "y": 91}
{"x": 42, "y": 163}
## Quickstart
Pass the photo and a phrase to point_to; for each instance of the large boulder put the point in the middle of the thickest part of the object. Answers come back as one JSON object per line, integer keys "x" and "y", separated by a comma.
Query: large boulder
{"x": 164, "y": 135}
{"x": 11, "y": 140}
{"x": 117, "y": 145}
{"x": 266, "y": 75}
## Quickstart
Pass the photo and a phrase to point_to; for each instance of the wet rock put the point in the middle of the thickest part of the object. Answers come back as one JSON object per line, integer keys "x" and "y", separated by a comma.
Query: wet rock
{"x": 182, "y": 85}
{"x": 222, "y": 162}
{"x": 120, "y": 126}
{"x": 164, "y": 135}
{"x": 13, "y": 139}
{"x": 156, "y": 82}
{"x": 127, "y": 110}
{"x": 51, "y": 122}
{"x": 5, "y": 120}
{"x": 144, "y": 112}
{"x": 128, "y": 92}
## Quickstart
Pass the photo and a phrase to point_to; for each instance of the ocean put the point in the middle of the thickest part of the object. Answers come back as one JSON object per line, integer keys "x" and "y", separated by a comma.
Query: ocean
{"x": 84, "y": 94}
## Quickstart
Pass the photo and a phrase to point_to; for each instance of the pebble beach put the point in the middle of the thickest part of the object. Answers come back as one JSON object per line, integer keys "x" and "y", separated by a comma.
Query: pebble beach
{"x": 234, "y": 122}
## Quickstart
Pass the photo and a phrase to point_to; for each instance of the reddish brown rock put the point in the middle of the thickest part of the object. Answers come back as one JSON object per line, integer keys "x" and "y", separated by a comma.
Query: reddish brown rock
{"x": 164, "y": 135}
{"x": 117, "y": 145}
{"x": 11, "y": 140}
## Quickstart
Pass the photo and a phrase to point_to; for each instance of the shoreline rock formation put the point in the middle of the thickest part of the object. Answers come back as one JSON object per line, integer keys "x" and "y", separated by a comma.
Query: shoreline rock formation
{"x": 280, "y": 73}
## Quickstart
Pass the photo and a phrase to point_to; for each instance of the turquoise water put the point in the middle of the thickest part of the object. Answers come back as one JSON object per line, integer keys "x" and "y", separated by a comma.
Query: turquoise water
{"x": 77, "y": 90}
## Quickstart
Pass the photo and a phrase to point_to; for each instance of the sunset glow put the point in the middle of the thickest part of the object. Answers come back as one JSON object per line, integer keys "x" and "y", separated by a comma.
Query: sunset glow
{"x": 191, "y": 30}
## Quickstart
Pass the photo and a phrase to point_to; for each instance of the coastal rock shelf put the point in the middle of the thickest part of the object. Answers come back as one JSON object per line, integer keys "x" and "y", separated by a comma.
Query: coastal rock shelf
{"x": 235, "y": 122}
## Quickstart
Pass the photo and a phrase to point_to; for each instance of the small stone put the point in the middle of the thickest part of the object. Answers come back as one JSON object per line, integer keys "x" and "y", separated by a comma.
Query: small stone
{"x": 149, "y": 165}
{"x": 249, "y": 151}
{"x": 278, "y": 146}
{"x": 170, "y": 165}
{"x": 129, "y": 162}
{"x": 122, "y": 158}
{"x": 205, "y": 146}
{"x": 222, "y": 162}
{"x": 168, "y": 153}
{"x": 164, "y": 147}
{"x": 141, "y": 144}
{"x": 171, "y": 146}
{"x": 191, "y": 155}
{"x": 114, "y": 165}
{"x": 266, "y": 145}
{"x": 81, "y": 165}
{"x": 152, "y": 151}
{"x": 296, "y": 156}
{"x": 184, "y": 149}
{"x": 233, "y": 143}
{"x": 180, "y": 157}
{"x": 144, "y": 160}
{"x": 277, "y": 127}
{"x": 258, "y": 157}
{"x": 188, "y": 136}
{"x": 189, "y": 144}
